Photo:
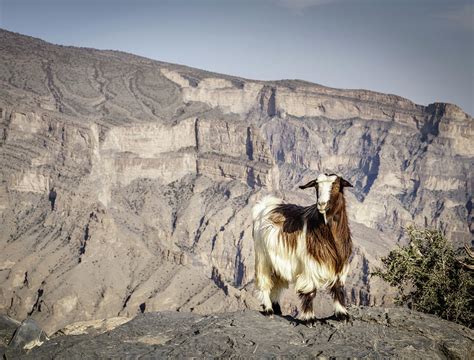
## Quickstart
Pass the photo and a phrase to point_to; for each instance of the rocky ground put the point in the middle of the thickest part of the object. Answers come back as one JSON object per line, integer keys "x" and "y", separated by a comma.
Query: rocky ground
{"x": 126, "y": 184}
{"x": 373, "y": 333}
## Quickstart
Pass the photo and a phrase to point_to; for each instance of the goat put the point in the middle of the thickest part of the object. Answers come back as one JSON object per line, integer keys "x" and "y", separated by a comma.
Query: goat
{"x": 308, "y": 246}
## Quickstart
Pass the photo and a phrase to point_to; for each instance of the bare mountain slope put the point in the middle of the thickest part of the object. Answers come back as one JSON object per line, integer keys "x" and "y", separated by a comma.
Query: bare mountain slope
{"x": 126, "y": 184}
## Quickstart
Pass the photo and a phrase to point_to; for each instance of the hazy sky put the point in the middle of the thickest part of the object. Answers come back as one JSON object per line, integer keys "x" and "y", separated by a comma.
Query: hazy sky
{"x": 419, "y": 49}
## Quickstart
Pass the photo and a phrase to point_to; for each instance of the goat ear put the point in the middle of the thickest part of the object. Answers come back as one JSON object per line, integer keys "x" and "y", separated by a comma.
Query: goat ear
{"x": 345, "y": 183}
{"x": 312, "y": 183}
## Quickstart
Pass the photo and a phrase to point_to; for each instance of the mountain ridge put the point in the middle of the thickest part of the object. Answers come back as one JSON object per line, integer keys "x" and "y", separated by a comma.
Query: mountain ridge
{"x": 236, "y": 77}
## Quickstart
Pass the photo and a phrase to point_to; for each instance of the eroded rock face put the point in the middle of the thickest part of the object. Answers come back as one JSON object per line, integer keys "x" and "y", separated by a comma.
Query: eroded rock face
{"x": 126, "y": 184}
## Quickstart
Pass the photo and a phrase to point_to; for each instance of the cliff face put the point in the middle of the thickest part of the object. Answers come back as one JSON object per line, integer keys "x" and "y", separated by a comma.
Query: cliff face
{"x": 126, "y": 184}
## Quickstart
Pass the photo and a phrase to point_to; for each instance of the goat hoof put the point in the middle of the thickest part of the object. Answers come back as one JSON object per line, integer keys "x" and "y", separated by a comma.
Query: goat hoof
{"x": 322, "y": 321}
{"x": 267, "y": 312}
{"x": 312, "y": 322}
{"x": 344, "y": 317}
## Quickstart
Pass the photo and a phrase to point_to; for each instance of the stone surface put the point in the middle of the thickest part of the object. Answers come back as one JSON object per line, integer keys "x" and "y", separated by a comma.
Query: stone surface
{"x": 374, "y": 333}
{"x": 28, "y": 335}
{"x": 7, "y": 329}
{"x": 126, "y": 184}
{"x": 93, "y": 327}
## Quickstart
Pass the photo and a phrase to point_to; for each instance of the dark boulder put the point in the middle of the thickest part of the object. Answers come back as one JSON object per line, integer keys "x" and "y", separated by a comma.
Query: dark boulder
{"x": 7, "y": 329}
{"x": 28, "y": 335}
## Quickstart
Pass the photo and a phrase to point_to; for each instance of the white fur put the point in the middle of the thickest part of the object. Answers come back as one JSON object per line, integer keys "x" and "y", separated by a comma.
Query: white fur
{"x": 307, "y": 315}
{"x": 338, "y": 308}
{"x": 324, "y": 189}
{"x": 294, "y": 266}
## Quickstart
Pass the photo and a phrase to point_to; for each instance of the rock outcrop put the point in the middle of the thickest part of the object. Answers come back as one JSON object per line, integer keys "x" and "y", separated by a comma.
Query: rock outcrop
{"x": 374, "y": 333}
{"x": 126, "y": 184}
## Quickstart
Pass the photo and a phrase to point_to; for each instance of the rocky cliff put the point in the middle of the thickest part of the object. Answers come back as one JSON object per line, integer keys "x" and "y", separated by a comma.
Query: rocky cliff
{"x": 126, "y": 184}
{"x": 373, "y": 333}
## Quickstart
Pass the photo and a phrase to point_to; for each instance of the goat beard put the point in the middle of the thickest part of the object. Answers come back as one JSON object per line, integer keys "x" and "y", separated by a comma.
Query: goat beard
{"x": 325, "y": 219}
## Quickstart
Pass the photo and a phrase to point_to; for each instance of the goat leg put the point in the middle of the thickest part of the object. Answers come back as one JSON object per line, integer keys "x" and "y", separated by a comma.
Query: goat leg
{"x": 307, "y": 312}
{"x": 338, "y": 295}
{"x": 276, "y": 309}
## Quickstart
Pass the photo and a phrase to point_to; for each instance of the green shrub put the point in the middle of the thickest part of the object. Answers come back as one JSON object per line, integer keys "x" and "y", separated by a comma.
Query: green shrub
{"x": 430, "y": 277}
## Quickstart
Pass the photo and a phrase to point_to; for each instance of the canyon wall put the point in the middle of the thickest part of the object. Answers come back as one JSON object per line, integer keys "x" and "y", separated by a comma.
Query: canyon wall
{"x": 126, "y": 184}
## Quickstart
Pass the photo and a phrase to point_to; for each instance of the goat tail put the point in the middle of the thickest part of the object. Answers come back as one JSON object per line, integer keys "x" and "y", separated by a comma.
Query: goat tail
{"x": 265, "y": 205}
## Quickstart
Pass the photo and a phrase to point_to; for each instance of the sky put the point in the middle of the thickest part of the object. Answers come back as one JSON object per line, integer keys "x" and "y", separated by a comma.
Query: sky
{"x": 419, "y": 49}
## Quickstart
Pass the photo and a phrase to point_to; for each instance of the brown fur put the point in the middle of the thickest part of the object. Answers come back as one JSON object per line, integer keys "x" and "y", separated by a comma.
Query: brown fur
{"x": 307, "y": 301}
{"x": 337, "y": 292}
{"x": 289, "y": 219}
{"x": 329, "y": 243}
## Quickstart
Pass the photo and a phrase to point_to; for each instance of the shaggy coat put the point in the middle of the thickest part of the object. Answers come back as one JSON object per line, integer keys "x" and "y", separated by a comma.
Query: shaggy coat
{"x": 308, "y": 246}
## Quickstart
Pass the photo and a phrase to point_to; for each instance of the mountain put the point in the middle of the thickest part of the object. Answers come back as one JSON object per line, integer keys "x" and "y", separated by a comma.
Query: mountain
{"x": 126, "y": 183}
